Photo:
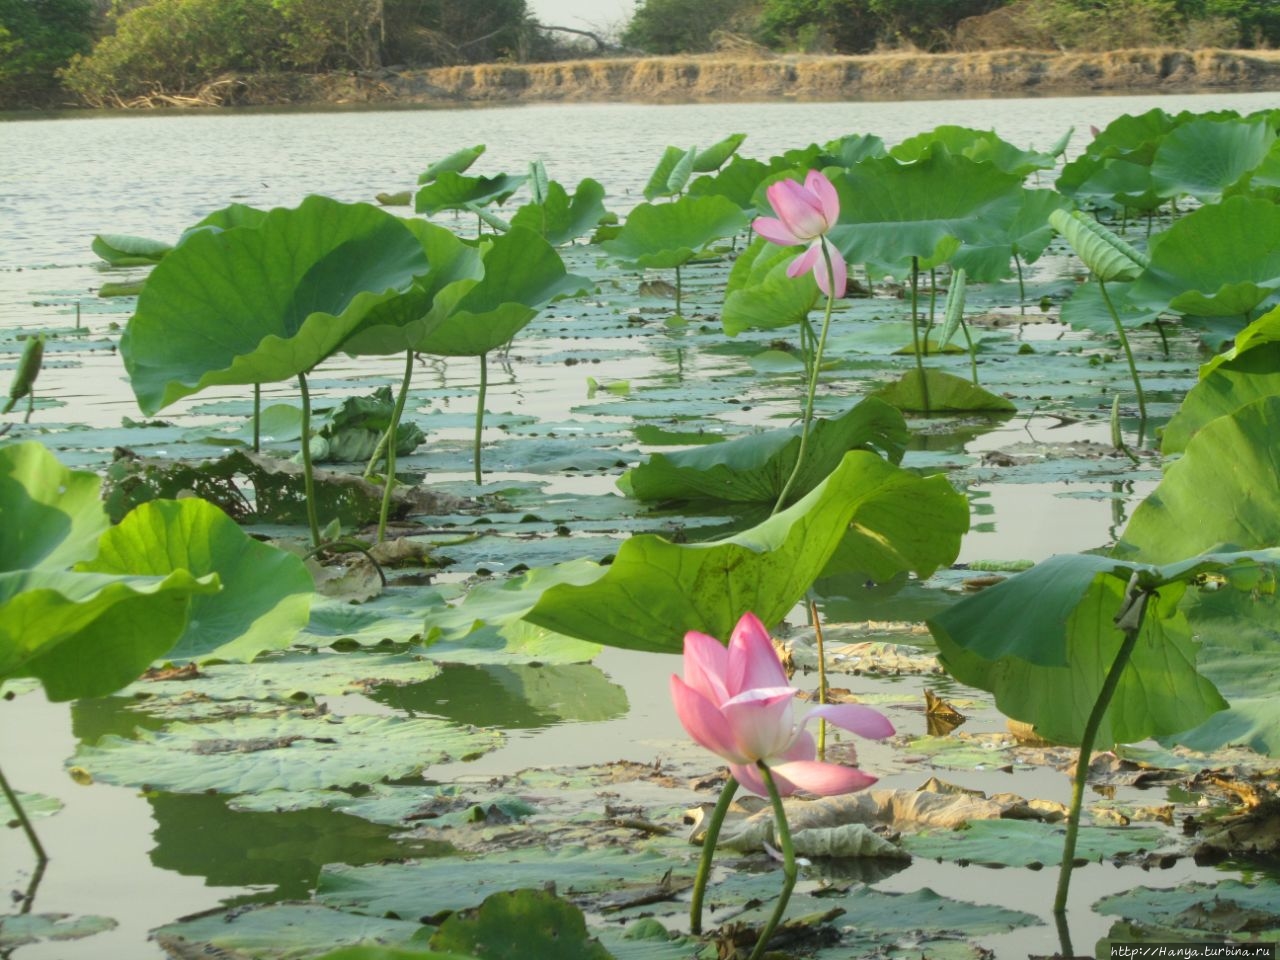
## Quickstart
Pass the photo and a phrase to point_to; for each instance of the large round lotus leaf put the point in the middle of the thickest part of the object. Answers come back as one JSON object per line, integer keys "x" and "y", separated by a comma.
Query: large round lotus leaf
{"x": 1215, "y": 261}
{"x": 760, "y": 295}
{"x": 1224, "y": 490}
{"x": 561, "y": 219}
{"x": 520, "y": 925}
{"x": 290, "y": 753}
{"x": 736, "y": 182}
{"x": 655, "y": 590}
{"x": 522, "y": 272}
{"x": 1202, "y": 910}
{"x": 261, "y": 304}
{"x": 666, "y": 235}
{"x": 1247, "y": 372}
{"x": 88, "y": 634}
{"x": 1204, "y": 158}
{"x": 984, "y": 146}
{"x": 890, "y": 211}
{"x": 52, "y": 516}
{"x": 988, "y": 257}
{"x": 266, "y": 593}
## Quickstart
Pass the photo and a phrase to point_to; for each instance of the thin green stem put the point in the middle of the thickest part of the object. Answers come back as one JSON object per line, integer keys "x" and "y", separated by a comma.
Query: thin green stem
{"x": 378, "y": 452}
{"x": 308, "y": 471}
{"x": 822, "y": 678}
{"x": 973, "y": 354}
{"x": 1128, "y": 352}
{"x": 788, "y": 860}
{"x": 389, "y": 483}
{"x": 484, "y": 386}
{"x": 1129, "y": 620}
{"x": 1022, "y": 287}
{"x": 915, "y": 332}
{"x": 814, "y": 369}
{"x": 679, "y": 290}
{"x": 257, "y": 418}
{"x": 708, "y": 854}
{"x": 41, "y": 857}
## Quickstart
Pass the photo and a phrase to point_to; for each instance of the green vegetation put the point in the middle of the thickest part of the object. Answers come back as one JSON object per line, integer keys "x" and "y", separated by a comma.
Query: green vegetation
{"x": 36, "y": 38}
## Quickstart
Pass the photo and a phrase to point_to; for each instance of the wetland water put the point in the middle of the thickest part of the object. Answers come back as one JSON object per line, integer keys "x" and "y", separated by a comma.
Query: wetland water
{"x": 144, "y": 861}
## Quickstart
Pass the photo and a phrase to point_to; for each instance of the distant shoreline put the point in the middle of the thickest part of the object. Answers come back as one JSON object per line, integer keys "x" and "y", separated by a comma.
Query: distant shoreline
{"x": 762, "y": 78}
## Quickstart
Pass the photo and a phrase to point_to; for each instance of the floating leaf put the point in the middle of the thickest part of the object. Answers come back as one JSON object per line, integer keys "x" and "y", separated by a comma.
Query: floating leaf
{"x": 24, "y": 928}
{"x": 124, "y": 251}
{"x": 947, "y": 393}
{"x": 1225, "y": 908}
{"x": 532, "y": 924}
{"x": 1023, "y": 843}
{"x": 289, "y": 753}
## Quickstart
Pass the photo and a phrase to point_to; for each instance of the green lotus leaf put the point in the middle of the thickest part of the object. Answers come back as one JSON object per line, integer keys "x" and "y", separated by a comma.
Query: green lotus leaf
{"x": 532, "y": 924}
{"x": 953, "y": 310}
{"x": 668, "y": 234}
{"x": 290, "y": 931}
{"x": 522, "y": 272}
{"x": 1247, "y": 372}
{"x": 1205, "y": 158}
{"x": 52, "y": 516}
{"x": 656, "y": 590}
{"x": 256, "y": 305}
{"x": 459, "y": 161}
{"x": 454, "y": 191}
{"x": 85, "y": 634}
{"x": 1024, "y": 843}
{"x": 561, "y": 219}
{"x": 1026, "y": 236}
{"x": 754, "y": 468}
{"x": 854, "y": 148}
{"x": 1210, "y": 262}
{"x": 124, "y": 251}
{"x": 1044, "y": 641}
{"x": 891, "y": 211}
{"x": 714, "y": 157}
{"x": 1107, "y": 256}
{"x": 281, "y": 753}
{"x": 232, "y": 215}
{"x": 1087, "y": 309}
{"x": 266, "y": 593}
{"x": 760, "y": 295}
{"x": 947, "y": 392}
{"x": 1214, "y": 912}
{"x": 983, "y": 146}
{"x": 1111, "y": 182}
{"x": 400, "y": 323}
{"x": 671, "y": 174}
{"x": 17, "y": 929}
{"x": 738, "y": 182}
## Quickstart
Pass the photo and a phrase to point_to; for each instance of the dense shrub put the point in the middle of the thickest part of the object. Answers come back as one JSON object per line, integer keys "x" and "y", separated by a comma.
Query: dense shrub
{"x": 37, "y": 37}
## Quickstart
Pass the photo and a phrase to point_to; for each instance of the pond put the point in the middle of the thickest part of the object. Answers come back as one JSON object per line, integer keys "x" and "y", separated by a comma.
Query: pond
{"x": 563, "y": 410}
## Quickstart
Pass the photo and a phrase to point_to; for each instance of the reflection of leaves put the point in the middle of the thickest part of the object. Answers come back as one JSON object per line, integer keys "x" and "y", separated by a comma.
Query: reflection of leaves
{"x": 531, "y": 924}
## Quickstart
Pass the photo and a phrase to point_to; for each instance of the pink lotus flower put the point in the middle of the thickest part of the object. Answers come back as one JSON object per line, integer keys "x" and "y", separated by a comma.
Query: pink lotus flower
{"x": 804, "y": 215}
{"x": 737, "y": 703}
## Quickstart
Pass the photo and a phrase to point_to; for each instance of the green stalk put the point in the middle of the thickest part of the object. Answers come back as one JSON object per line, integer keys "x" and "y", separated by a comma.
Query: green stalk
{"x": 41, "y": 857}
{"x": 822, "y": 679}
{"x": 708, "y": 853}
{"x": 484, "y": 385}
{"x": 1022, "y": 288}
{"x": 788, "y": 861}
{"x": 378, "y": 451}
{"x": 257, "y": 418}
{"x": 308, "y": 477}
{"x": 389, "y": 481}
{"x": 973, "y": 354}
{"x": 1128, "y": 352}
{"x": 813, "y": 387}
{"x": 915, "y": 332}
{"x": 1129, "y": 621}
{"x": 679, "y": 290}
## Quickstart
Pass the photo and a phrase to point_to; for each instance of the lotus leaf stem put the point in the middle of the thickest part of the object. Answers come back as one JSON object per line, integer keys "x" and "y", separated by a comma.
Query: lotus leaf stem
{"x": 389, "y": 483}
{"x": 484, "y": 386}
{"x": 1022, "y": 286}
{"x": 1128, "y": 351}
{"x": 915, "y": 332}
{"x": 814, "y": 368}
{"x": 788, "y": 860}
{"x": 973, "y": 353}
{"x": 822, "y": 678}
{"x": 308, "y": 471}
{"x": 679, "y": 290}
{"x": 25, "y": 822}
{"x": 257, "y": 418}
{"x": 708, "y": 854}
{"x": 1129, "y": 621}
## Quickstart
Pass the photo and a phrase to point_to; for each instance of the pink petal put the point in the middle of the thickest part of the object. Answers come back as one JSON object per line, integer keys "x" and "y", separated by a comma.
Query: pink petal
{"x": 775, "y": 231}
{"x": 838, "y": 269}
{"x": 854, "y": 717}
{"x": 807, "y": 261}
{"x": 706, "y": 666}
{"x": 797, "y": 208}
{"x": 752, "y": 660}
{"x": 825, "y": 192}
{"x": 762, "y": 721}
{"x": 748, "y": 777}
{"x": 802, "y": 747}
{"x": 704, "y": 722}
{"x": 823, "y": 779}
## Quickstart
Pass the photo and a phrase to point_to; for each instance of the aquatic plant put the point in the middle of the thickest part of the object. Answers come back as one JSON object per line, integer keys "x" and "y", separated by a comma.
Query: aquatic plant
{"x": 738, "y": 703}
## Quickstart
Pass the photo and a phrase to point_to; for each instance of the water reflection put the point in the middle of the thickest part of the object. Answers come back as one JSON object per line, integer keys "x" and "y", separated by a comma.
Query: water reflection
{"x": 511, "y": 697}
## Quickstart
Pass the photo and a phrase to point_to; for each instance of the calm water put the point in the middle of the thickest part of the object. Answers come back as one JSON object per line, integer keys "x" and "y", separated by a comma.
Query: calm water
{"x": 63, "y": 180}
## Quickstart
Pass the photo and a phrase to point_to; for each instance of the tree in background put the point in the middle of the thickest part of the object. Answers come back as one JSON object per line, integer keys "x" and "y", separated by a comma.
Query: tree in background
{"x": 685, "y": 26}
{"x": 446, "y": 32}
{"x": 37, "y": 38}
